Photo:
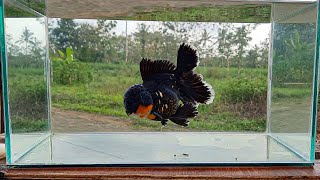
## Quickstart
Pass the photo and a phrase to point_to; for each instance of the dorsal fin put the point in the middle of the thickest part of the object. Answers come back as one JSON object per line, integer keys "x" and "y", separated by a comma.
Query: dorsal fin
{"x": 149, "y": 68}
{"x": 187, "y": 59}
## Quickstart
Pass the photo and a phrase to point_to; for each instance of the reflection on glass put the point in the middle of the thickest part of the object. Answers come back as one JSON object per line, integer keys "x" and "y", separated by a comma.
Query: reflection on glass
{"x": 36, "y": 5}
{"x": 148, "y": 148}
{"x": 292, "y": 78}
{"x": 27, "y": 83}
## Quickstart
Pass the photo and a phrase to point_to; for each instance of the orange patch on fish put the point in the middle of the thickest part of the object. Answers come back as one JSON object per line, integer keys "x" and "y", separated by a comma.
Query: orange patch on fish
{"x": 151, "y": 116}
{"x": 142, "y": 111}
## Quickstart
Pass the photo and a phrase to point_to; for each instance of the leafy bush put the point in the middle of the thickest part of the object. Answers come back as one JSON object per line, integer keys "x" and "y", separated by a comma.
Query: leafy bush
{"x": 241, "y": 90}
{"x": 23, "y": 125}
{"x": 25, "y": 61}
{"x": 291, "y": 93}
{"x": 71, "y": 73}
{"x": 245, "y": 97}
{"x": 104, "y": 95}
{"x": 28, "y": 100}
{"x": 223, "y": 73}
{"x": 67, "y": 70}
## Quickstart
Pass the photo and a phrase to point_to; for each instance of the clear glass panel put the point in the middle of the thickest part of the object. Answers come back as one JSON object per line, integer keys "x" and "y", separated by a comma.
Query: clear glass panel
{"x": 38, "y": 154}
{"x": 293, "y": 54}
{"x": 95, "y": 51}
{"x": 169, "y": 148}
{"x": 27, "y": 78}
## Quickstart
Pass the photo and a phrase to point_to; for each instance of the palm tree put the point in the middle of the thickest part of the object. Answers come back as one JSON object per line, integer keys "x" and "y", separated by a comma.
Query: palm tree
{"x": 206, "y": 38}
{"x": 142, "y": 36}
{"x": 226, "y": 43}
{"x": 26, "y": 37}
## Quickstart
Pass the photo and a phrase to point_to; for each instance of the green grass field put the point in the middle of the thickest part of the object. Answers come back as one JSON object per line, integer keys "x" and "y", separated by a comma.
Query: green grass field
{"x": 104, "y": 95}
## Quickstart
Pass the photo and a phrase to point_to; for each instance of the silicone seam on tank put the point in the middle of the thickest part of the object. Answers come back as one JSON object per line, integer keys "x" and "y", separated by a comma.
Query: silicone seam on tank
{"x": 270, "y": 64}
{"x": 289, "y": 147}
{"x": 296, "y": 12}
{"x": 284, "y": 1}
{"x": 47, "y": 71}
{"x": 188, "y": 164}
{"x": 315, "y": 89}
{"x": 33, "y": 146}
{"x": 48, "y": 82}
{"x": 170, "y": 133}
{"x": 23, "y": 7}
{"x": 4, "y": 82}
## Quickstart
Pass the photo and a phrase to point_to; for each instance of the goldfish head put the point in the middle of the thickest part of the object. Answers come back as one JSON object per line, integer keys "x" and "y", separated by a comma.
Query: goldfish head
{"x": 138, "y": 101}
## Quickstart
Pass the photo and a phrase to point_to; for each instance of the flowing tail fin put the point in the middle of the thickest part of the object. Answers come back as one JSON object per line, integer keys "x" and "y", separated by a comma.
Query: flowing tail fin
{"x": 187, "y": 59}
{"x": 194, "y": 89}
{"x": 183, "y": 112}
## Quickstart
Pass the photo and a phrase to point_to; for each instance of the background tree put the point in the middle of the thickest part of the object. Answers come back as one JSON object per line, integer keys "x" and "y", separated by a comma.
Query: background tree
{"x": 252, "y": 57}
{"x": 170, "y": 41}
{"x": 26, "y": 38}
{"x": 225, "y": 43}
{"x": 264, "y": 53}
{"x": 206, "y": 42}
{"x": 88, "y": 48}
{"x": 65, "y": 34}
{"x": 293, "y": 53}
{"x": 37, "y": 50}
{"x": 221, "y": 44}
{"x": 12, "y": 48}
{"x": 141, "y": 36}
{"x": 105, "y": 44}
{"x": 241, "y": 41}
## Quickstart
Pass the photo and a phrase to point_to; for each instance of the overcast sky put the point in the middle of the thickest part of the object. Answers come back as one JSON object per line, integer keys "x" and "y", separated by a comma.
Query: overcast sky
{"x": 15, "y": 27}
{"x": 258, "y": 35}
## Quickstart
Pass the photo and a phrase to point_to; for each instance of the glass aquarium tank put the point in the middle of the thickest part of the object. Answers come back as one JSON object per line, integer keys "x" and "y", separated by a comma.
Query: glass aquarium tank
{"x": 66, "y": 66}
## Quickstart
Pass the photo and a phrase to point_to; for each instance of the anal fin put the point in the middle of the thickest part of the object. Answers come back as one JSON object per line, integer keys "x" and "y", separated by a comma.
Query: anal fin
{"x": 183, "y": 113}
